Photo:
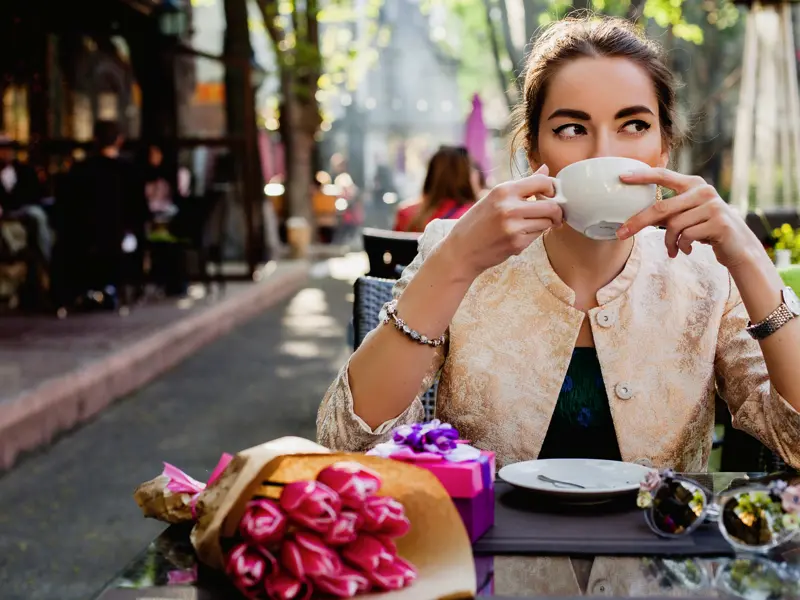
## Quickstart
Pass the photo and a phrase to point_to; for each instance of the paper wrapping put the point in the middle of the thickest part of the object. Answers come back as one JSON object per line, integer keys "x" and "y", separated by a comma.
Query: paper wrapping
{"x": 437, "y": 543}
{"x": 157, "y": 502}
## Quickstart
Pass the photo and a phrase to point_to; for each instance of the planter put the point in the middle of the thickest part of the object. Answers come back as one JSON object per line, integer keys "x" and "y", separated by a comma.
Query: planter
{"x": 298, "y": 236}
{"x": 783, "y": 258}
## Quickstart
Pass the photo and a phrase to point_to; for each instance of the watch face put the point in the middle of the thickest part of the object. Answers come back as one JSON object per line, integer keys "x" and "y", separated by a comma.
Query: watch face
{"x": 791, "y": 300}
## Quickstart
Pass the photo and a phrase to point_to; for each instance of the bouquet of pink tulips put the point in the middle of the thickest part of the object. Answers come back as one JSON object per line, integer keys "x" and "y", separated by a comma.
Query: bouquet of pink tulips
{"x": 290, "y": 520}
{"x": 333, "y": 535}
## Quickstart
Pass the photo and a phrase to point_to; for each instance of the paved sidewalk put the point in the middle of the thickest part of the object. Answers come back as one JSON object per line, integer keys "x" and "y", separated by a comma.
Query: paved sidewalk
{"x": 55, "y": 374}
{"x": 68, "y": 521}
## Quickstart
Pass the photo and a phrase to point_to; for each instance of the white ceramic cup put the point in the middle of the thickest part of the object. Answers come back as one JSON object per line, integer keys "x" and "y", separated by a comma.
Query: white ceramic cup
{"x": 594, "y": 200}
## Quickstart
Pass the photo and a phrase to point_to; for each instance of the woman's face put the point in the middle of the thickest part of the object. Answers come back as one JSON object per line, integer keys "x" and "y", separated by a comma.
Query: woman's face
{"x": 599, "y": 107}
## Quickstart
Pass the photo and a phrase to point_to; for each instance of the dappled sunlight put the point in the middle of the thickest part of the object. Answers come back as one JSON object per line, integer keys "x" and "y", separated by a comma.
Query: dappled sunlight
{"x": 349, "y": 267}
{"x": 309, "y": 301}
{"x": 313, "y": 325}
{"x": 301, "y": 349}
{"x": 308, "y": 315}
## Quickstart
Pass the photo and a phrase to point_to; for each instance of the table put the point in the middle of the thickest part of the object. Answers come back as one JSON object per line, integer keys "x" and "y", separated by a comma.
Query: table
{"x": 168, "y": 569}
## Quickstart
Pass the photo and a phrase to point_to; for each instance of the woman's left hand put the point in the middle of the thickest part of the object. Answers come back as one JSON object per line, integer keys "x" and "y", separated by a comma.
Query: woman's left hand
{"x": 695, "y": 214}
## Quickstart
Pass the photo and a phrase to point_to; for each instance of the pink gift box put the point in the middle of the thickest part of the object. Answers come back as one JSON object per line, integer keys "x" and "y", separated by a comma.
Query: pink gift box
{"x": 471, "y": 486}
{"x": 464, "y": 479}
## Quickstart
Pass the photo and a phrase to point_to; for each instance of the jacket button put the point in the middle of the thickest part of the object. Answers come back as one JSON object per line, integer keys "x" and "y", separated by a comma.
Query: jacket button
{"x": 623, "y": 391}
{"x": 605, "y": 318}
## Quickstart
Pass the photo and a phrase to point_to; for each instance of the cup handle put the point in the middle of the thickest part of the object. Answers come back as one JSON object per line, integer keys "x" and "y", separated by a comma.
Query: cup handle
{"x": 559, "y": 197}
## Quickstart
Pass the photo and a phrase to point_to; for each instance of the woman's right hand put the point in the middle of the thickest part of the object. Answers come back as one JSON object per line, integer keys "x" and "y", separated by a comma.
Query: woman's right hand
{"x": 504, "y": 223}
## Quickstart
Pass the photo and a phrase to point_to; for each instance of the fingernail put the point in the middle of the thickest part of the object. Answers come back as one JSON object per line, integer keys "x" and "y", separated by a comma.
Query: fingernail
{"x": 542, "y": 168}
{"x": 622, "y": 232}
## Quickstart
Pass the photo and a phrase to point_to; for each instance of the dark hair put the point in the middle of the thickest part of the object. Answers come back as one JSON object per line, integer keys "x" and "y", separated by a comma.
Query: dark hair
{"x": 106, "y": 133}
{"x": 481, "y": 175}
{"x": 588, "y": 36}
{"x": 448, "y": 178}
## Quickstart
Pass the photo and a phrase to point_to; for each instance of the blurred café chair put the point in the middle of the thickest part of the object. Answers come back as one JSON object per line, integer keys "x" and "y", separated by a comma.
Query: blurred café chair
{"x": 371, "y": 293}
{"x": 388, "y": 251}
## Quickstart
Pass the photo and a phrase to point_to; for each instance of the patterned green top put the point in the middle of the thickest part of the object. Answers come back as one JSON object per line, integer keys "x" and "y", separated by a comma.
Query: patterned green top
{"x": 581, "y": 426}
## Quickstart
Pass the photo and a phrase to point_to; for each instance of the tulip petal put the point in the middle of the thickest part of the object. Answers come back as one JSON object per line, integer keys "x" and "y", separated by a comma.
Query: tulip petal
{"x": 248, "y": 566}
{"x": 263, "y": 522}
{"x": 368, "y": 552}
{"x": 347, "y": 584}
{"x": 317, "y": 558}
{"x": 282, "y": 586}
{"x": 345, "y": 529}
{"x": 352, "y": 481}
{"x": 291, "y": 559}
{"x": 311, "y": 504}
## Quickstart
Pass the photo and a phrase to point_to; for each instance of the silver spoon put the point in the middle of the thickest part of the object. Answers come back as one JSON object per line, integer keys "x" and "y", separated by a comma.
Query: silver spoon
{"x": 556, "y": 482}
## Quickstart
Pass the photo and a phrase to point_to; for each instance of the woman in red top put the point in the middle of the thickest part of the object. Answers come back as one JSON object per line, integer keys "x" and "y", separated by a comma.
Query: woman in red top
{"x": 446, "y": 194}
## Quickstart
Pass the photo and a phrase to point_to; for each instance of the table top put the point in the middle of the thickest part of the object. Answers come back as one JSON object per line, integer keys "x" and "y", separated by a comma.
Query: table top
{"x": 168, "y": 569}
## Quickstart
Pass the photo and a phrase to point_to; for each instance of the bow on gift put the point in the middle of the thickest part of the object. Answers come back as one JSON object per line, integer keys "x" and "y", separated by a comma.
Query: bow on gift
{"x": 180, "y": 483}
{"x": 427, "y": 442}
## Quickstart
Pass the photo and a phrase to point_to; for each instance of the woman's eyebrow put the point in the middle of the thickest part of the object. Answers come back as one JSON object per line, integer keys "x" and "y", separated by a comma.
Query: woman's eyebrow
{"x": 570, "y": 113}
{"x": 633, "y": 110}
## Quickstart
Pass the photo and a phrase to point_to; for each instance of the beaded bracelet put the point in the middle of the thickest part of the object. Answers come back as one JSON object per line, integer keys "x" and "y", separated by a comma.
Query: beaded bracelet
{"x": 400, "y": 325}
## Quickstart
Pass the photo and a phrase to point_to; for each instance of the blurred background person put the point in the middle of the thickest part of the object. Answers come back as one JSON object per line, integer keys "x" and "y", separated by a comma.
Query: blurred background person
{"x": 447, "y": 193}
{"x": 166, "y": 191}
{"x": 104, "y": 223}
{"x": 21, "y": 196}
{"x": 479, "y": 183}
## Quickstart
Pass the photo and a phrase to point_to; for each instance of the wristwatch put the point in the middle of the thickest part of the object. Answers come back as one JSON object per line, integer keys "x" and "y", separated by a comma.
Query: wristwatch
{"x": 788, "y": 310}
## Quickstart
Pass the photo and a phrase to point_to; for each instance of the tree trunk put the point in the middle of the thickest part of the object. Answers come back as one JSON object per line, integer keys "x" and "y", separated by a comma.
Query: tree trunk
{"x": 635, "y": 10}
{"x": 502, "y": 77}
{"x": 532, "y": 12}
{"x": 300, "y": 171}
{"x": 240, "y": 116}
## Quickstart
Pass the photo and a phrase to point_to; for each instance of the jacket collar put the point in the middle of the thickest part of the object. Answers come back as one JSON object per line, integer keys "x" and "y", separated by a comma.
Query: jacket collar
{"x": 536, "y": 255}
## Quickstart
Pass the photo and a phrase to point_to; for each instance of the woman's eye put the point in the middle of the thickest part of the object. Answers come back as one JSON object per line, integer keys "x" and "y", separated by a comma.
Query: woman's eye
{"x": 569, "y": 131}
{"x": 636, "y": 127}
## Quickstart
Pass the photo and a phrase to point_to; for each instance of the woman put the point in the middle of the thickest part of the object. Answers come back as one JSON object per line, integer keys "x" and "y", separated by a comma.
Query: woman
{"x": 447, "y": 193}
{"x": 559, "y": 345}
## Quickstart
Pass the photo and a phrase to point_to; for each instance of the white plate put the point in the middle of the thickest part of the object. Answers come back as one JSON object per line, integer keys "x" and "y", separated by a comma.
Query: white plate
{"x": 600, "y": 479}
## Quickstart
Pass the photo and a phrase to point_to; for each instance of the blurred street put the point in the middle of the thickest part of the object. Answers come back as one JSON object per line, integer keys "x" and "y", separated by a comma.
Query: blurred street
{"x": 68, "y": 520}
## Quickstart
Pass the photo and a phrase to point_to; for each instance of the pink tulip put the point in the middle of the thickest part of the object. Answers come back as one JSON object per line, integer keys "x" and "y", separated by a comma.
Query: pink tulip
{"x": 394, "y": 576}
{"x": 282, "y": 586}
{"x": 306, "y": 555}
{"x": 352, "y": 481}
{"x": 385, "y": 516}
{"x": 248, "y": 567}
{"x": 369, "y": 552}
{"x": 263, "y": 522}
{"x": 311, "y": 504}
{"x": 346, "y": 584}
{"x": 345, "y": 529}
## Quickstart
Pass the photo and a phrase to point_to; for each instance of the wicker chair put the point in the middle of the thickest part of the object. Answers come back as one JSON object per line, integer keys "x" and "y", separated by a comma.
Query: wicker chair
{"x": 371, "y": 293}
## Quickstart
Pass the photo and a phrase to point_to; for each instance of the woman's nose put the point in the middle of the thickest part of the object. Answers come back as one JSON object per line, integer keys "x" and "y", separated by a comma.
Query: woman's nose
{"x": 602, "y": 146}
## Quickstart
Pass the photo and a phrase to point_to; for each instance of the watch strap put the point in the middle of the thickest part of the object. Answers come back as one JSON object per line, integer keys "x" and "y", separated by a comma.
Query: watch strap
{"x": 777, "y": 319}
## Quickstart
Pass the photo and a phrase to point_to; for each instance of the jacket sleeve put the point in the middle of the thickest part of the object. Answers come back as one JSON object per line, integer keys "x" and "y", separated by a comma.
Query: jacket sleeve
{"x": 743, "y": 382}
{"x": 338, "y": 427}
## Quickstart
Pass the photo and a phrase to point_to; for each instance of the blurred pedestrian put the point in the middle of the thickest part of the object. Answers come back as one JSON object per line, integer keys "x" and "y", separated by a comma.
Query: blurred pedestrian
{"x": 447, "y": 192}
{"x": 105, "y": 215}
{"x": 21, "y": 196}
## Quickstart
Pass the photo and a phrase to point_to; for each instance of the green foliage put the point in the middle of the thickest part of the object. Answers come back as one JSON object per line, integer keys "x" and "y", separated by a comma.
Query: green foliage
{"x": 685, "y": 19}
